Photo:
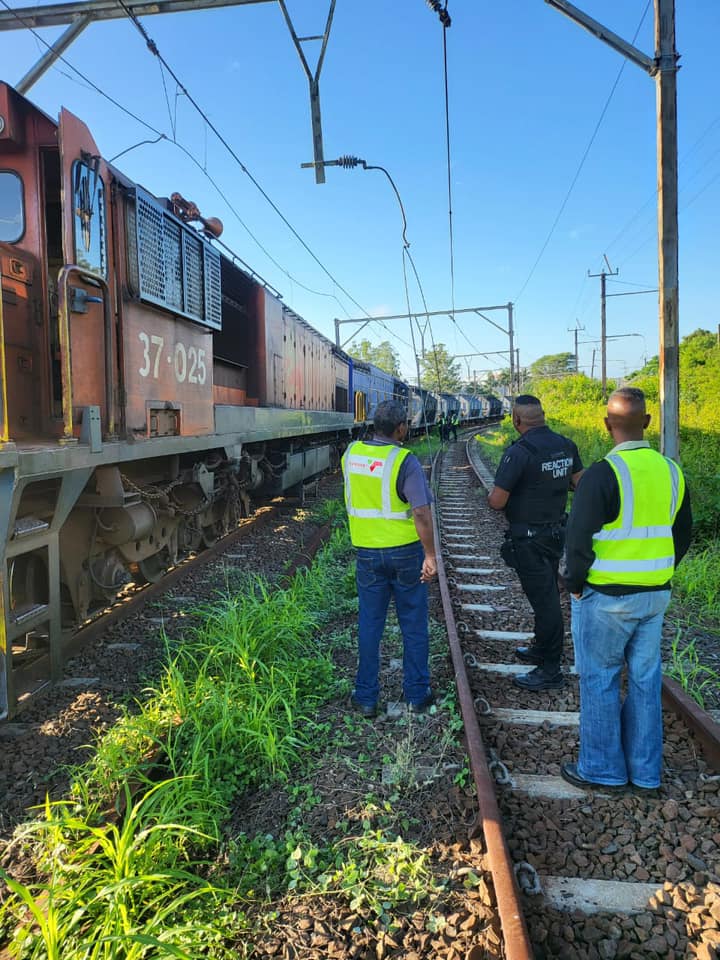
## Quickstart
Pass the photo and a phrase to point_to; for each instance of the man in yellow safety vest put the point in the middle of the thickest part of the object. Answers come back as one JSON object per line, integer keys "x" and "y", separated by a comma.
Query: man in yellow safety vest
{"x": 629, "y": 527}
{"x": 388, "y": 503}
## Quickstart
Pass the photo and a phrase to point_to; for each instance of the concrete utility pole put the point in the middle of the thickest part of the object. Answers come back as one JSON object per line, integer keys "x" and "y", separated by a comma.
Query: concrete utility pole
{"x": 663, "y": 67}
{"x": 603, "y": 322}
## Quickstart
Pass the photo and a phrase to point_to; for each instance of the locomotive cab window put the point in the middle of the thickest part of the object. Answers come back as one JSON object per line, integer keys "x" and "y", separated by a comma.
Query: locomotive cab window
{"x": 12, "y": 215}
{"x": 89, "y": 217}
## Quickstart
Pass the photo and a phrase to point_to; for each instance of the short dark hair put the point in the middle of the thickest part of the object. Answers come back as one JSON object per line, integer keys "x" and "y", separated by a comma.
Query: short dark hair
{"x": 526, "y": 400}
{"x": 633, "y": 394}
{"x": 388, "y": 416}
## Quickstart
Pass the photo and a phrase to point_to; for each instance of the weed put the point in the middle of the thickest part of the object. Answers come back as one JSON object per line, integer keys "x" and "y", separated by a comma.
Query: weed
{"x": 685, "y": 667}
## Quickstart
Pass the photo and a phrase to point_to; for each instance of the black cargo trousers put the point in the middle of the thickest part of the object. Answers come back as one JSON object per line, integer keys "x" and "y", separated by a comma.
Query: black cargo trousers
{"x": 537, "y": 556}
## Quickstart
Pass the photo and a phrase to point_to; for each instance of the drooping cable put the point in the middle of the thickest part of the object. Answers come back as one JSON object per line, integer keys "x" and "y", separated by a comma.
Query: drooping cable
{"x": 449, "y": 174}
{"x": 581, "y": 164}
{"x": 163, "y": 136}
{"x": 152, "y": 47}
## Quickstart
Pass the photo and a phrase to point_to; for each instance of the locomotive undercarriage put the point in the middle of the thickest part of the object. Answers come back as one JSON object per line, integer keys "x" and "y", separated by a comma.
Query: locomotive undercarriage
{"x": 79, "y": 532}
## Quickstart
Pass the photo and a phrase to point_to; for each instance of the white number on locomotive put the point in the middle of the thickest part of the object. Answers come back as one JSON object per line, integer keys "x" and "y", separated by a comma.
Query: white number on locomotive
{"x": 188, "y": 363}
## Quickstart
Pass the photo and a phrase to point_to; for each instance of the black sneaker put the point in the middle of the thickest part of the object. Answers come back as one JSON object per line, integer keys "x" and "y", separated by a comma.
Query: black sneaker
{"x": 650, "y": 793}
{"x": 367, "y": 711}
{"x": 529, "y": 655}
{"x": 424, "y": 704}
{"x": 569, "y": 772}
{"x": 537, "y": 679}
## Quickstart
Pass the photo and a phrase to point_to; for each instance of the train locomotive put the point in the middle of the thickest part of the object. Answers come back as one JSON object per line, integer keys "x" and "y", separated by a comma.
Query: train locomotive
{"x": 150, "y": 384}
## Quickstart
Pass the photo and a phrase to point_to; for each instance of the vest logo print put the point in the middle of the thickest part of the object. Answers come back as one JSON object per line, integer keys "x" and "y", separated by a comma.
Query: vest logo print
{"x": 368, "y": 466}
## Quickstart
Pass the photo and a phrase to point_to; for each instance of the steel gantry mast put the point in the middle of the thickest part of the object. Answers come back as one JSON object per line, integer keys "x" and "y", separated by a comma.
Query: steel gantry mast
{"x": 79, "y": 14}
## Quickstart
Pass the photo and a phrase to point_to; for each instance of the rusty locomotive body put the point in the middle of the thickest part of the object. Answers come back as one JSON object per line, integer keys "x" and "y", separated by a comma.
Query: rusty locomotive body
{"x": 149, "y": 385}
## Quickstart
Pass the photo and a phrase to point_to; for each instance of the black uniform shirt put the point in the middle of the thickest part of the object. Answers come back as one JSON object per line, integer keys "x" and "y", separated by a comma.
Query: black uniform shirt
{"x": 536, "y": 471}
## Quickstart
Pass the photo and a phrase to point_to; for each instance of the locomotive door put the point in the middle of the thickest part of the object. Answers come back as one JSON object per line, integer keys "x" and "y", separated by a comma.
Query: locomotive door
{"x": 84, "y": 340}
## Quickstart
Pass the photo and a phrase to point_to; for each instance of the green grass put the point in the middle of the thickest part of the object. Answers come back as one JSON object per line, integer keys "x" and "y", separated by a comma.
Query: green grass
{"x": 694, "y": 677}
{"x": 234, "y": 708}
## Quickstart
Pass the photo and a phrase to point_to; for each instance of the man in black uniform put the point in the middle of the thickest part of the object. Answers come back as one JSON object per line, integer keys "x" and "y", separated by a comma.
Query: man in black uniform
{"x": 531, "y": 486}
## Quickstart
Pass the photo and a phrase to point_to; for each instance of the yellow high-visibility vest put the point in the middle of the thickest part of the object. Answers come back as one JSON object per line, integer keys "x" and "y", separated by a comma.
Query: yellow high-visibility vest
{"x": 637, "y": 548}
{"x": 377, "y": 516}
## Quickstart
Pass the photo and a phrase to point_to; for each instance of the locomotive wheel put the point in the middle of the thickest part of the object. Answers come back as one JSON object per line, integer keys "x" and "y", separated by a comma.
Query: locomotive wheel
{"x": 154, "y": 567}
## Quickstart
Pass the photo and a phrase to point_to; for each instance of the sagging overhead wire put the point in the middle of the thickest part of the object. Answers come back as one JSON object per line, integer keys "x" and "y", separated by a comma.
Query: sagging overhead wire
{"x": 163, "y": 136}
{"x": 582, "y": 162}
{"x": 153, "y": 48}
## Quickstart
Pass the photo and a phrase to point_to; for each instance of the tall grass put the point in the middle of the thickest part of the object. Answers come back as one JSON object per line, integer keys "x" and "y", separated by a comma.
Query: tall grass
{"x": 575, "y": 408}
{"x": 120, "y": 866}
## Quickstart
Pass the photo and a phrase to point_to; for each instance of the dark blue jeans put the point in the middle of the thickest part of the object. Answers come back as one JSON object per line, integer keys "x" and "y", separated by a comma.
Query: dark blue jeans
{"x": 382, "y": 573}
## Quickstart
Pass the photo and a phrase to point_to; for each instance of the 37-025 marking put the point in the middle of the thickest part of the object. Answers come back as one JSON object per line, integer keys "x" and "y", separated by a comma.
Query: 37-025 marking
{"x": 188, "y": 363}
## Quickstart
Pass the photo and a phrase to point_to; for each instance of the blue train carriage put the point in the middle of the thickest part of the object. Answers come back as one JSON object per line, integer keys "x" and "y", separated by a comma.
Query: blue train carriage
{"x": 371, "y": 386}
{"x": 470, "y": 407}
{"x": 448, "y": 404}
{"x": 422, "y": 408}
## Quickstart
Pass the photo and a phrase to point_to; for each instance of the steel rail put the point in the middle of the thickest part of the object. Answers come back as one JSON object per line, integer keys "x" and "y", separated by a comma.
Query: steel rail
{"x": 676, "y": 699}
{"x": 507, "y": 895}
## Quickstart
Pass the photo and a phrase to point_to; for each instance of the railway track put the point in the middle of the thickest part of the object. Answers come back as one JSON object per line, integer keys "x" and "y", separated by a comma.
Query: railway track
{"x": 596, "y": 874}
{"x": 117, "y": 653}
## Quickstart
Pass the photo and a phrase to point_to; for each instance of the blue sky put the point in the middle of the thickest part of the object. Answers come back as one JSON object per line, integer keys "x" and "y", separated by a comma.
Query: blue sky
{"x": 527, "y": 88}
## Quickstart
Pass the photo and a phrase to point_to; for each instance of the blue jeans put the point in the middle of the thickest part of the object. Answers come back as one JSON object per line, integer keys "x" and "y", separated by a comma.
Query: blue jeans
{"x": 620, "y": 742}
{"x": 382, "y": 573}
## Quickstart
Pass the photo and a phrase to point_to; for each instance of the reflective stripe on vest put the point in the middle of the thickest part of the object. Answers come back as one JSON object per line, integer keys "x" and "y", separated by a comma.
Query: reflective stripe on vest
{"x": 627, "y": 551}
{"x": 370, "y": 474}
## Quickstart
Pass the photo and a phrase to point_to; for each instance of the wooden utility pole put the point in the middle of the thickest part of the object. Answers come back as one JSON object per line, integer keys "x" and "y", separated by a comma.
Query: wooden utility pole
{"x": 666, "y": 59}
{"x": 663, "y": 67}
{"x": 603, "y": 323}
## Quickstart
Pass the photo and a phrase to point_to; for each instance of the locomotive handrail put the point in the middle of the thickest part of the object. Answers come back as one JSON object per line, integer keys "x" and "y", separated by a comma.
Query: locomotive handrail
{"x": 66, "y": 359}
{"x": 4, "y": 427}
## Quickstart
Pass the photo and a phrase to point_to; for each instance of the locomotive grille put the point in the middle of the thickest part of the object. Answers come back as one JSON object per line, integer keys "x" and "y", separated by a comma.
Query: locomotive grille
{"x": 174, "y": 267}
{"x": 194, "y": 293}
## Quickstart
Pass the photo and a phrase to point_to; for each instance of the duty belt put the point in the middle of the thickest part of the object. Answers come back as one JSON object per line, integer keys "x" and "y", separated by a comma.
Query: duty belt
{"x": 533, "y": 529}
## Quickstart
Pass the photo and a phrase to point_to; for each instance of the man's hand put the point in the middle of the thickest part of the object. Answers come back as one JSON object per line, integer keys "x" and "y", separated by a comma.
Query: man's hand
{"x": 429, "y": 568}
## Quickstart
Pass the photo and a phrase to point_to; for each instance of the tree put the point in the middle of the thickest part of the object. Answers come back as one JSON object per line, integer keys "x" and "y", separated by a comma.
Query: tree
{"x": 383, "y": 355}
{"x": 553, "y": 365}
{"x": 439, "y": 372}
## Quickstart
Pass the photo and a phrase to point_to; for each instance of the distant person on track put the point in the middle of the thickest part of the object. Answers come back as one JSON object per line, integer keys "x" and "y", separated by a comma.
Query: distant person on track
{"x": 453, "y": 425}
{"x": 531, "y": 486}
{"x": 629, "y": 527}
{"x": 388, "y": 503}
{"x": 442, "y": 428}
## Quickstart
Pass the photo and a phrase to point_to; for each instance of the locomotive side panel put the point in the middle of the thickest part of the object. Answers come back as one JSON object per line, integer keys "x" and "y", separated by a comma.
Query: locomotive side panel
{"x": 30, "y": 233}
{"x": 168, "y": 374}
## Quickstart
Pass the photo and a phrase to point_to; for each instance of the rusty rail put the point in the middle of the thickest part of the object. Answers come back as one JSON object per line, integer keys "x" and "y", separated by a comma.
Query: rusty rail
{"x": 507, "y": 895}
{"x": 694, "y": 717}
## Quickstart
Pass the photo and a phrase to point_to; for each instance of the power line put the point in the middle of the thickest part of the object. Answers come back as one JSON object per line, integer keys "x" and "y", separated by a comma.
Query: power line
{"x": 160, "y": 135}
{"x": 153, "y": 48}
{"x": 582, "y": 163}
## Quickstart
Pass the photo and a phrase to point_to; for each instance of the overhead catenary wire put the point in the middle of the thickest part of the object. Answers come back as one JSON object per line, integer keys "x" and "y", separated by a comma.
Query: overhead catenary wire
{"x": 584, "y": 157}
{"x": 153, "y": 48}
{"x": 163, "y": 136}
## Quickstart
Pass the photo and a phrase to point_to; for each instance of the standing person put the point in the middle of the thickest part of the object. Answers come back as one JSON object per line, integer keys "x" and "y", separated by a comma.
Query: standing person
{"x": 531, "y": 486}
{"x": 388, "y": 503}
{"x": 629, "y": 527}
{"x": 454, "y": 420}
{"x": 442, "y": 427}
